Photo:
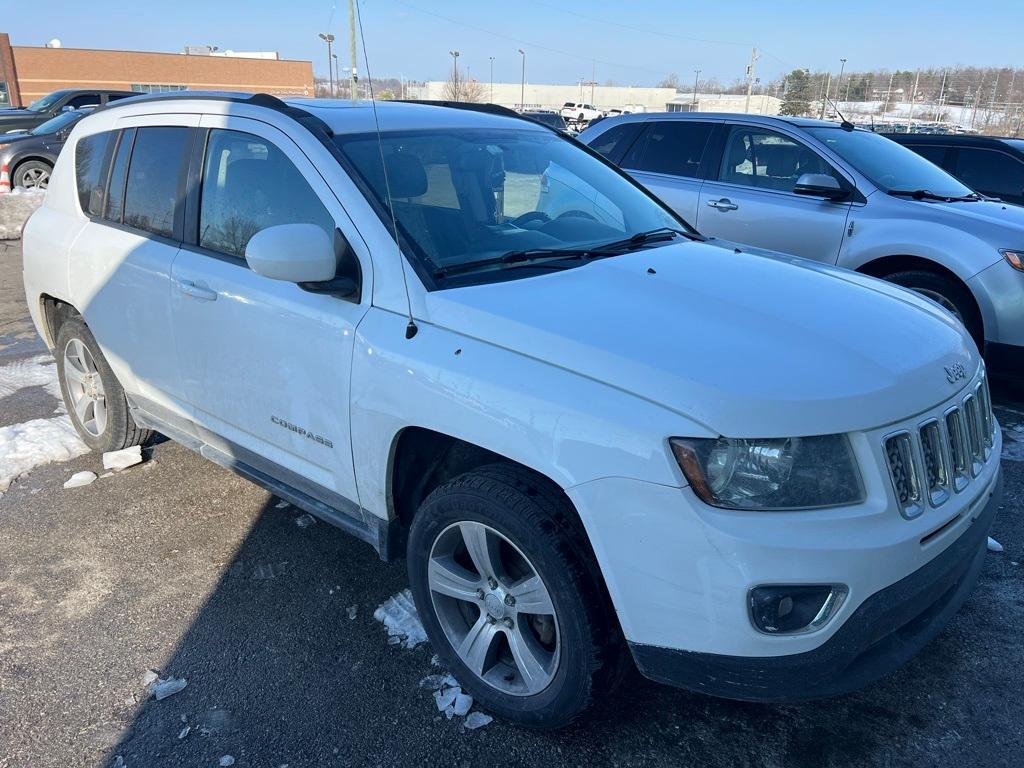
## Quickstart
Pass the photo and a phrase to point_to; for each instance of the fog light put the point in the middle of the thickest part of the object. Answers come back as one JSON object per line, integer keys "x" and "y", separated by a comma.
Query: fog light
{"x": 790, "y": 610}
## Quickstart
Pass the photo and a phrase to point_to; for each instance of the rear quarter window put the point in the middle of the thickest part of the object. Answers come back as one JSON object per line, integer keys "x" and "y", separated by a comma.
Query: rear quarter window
{"x": 614, "y": 142}
{"x": 92, "y": 154}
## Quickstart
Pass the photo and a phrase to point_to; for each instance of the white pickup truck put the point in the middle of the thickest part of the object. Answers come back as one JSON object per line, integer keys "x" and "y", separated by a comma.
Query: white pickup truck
{"x": 596, "y": 440}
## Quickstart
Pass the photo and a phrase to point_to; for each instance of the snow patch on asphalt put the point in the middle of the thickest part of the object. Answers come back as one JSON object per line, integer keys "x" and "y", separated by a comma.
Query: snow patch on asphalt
{"x": 398, "y": 614}
{"x": 38, "y": 371}
{"x": 23, "y": 447}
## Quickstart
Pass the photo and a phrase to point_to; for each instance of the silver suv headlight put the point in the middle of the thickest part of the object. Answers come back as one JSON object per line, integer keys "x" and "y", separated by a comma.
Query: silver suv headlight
{"x": 771, "y": 474}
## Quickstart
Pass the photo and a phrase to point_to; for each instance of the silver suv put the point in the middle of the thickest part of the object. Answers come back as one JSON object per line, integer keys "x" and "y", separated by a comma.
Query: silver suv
{"x": 842, "y": 196}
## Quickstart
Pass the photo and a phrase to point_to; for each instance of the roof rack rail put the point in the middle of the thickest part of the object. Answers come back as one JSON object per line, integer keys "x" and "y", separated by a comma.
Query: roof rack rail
{"x": 264, "y": 100}
{"x": 491, "y": 109}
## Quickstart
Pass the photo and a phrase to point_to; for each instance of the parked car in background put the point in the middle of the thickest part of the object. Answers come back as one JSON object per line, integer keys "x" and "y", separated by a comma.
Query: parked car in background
{"x": 552, "y": 119}
{"x": 592, "y": 441}
{"x": 29, "y": 157}
{"x": 51, "y": 105}
{"x": 841, "y": 196}
{"x": 991, "y": 165}
{"x": 579, "y": 112}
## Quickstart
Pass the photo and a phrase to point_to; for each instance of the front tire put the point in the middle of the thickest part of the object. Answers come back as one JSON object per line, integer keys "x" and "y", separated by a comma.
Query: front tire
{"x": 34, "y": 174}
{"x": 949, "y": 293}
{"x": 92, "y": 394}
{"x": 511, "y": 597}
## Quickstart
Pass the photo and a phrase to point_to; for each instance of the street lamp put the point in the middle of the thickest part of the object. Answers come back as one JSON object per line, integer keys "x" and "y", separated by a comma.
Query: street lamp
{"x": 329, "y": 39}
{"x": 337, "y": 72}
{"x": 455, "y": 70}
{"x": 522, "y": 83}
{"x": 696, "y": 79}
{"x": 491, "y": 98}
{"x": 839, "y": 85}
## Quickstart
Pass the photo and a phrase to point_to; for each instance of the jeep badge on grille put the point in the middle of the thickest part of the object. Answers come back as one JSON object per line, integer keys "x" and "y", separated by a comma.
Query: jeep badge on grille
{"x": 955, "y": 372}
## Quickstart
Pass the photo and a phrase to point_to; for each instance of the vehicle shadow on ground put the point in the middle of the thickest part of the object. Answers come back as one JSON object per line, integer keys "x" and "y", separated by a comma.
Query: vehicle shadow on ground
{"x": 278, "y": 673}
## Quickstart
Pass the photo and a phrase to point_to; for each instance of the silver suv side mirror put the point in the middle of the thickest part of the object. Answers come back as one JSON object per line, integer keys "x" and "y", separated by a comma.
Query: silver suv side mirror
{"x": 295, "y": 253}
{"x": 819, "y": 185}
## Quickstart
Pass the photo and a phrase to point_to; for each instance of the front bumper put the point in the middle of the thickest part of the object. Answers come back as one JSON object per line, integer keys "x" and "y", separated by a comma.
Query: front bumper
{"x": 885, "y": 632}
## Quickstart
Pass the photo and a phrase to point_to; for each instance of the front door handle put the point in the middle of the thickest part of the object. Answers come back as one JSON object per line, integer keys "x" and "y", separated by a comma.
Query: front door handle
{"x": 725, "y": 204}
{"x": 197, "y": 291}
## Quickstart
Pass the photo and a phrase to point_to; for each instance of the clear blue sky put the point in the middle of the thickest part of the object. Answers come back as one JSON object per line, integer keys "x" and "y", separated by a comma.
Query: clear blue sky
{"x": 634, "y": 43}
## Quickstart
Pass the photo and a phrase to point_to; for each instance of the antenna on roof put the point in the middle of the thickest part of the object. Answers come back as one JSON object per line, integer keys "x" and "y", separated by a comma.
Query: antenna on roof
{"x": 846, "y": 125}
{"x": 411, "y": 328}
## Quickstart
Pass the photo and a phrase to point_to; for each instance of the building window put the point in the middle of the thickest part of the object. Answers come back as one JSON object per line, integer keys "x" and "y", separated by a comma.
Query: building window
{"x": 156, "y": 88}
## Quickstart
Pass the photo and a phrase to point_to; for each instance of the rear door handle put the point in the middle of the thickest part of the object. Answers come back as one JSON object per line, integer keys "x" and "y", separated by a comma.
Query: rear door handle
{"x": 197, "y": 291}
{"x": 725, "y": 204}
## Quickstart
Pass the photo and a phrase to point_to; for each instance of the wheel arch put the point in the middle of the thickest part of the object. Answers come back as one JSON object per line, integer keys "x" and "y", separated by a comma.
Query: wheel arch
{"x": 53, "y": 311}
{"x": 28, "y": 158}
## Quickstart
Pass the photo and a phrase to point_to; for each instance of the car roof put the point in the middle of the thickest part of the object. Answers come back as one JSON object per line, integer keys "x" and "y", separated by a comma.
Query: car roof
{"x": 339, "y": 115}
{"x": 799, "y": 122}
{"x": 965, "y": 139}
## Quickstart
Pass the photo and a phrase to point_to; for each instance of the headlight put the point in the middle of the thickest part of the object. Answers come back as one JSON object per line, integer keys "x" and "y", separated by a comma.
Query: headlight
{"x": 771, "y": 474}
{"x": 1015, "y": 258}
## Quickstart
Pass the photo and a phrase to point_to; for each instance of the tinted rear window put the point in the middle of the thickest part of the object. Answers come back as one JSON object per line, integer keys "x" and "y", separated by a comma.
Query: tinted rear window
{"x": 90, "y": 170}
{"x": 615, "y": 141}
{"x": 675, "y": 147}
{"x": 157, "y": 166}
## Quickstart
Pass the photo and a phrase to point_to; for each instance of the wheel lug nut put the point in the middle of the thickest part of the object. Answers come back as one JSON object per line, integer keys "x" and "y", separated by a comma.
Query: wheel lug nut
{"x": 509, "y": 600}
{"x": 490, "y": 619}
{"x": 492, "y": 583}
{"x": 480, "y": 594}
{"x": 508, "y": 623}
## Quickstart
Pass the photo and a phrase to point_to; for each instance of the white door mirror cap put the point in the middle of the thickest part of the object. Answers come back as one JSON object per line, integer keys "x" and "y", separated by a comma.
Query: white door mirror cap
{"x": 295, "y": 253}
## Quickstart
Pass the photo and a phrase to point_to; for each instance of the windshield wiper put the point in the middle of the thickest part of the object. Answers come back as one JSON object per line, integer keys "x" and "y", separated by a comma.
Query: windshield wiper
{"x": 924, "y": 194}
{"x": 550, "y": 257}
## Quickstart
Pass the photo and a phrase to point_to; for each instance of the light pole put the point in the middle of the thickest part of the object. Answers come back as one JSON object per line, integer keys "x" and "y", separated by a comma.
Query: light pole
{"x": 522, "y": 82}
{"x": 696, "y": 78}
{"x": 491, "y": 98}
{"x": 839, "y": 85}
{"x": 455, "y": 72}
{"x": 337, "y": 73}
{"x": 329, "y": 39}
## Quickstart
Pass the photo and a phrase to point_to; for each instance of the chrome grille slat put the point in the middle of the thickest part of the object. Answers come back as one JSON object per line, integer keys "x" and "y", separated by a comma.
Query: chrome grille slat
{"x": 943, "y": 454}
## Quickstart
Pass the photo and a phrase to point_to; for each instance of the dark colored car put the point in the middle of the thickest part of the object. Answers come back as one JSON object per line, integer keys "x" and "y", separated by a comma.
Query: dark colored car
{"x": 991, "y": 165}
{"x": 51, "y": 105}
{"x": 30, "y": 156}
{"x": 552, "y": 119}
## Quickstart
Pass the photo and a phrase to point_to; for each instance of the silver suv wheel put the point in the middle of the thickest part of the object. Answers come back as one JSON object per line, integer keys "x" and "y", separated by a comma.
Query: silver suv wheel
{"x": 85, "y": 388}
{"x": 494, "y": 608}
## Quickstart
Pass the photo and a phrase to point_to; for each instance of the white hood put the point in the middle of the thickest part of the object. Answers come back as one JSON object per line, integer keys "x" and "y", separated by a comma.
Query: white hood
{"x": 749, "y": 346}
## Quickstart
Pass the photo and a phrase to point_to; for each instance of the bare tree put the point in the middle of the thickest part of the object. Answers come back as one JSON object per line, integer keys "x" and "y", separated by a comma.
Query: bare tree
{"x": 459, "y": 88}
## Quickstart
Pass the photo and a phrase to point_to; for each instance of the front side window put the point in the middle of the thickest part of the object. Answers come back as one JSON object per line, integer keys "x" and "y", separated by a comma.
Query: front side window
{"x": 462, "y": 196}
{"x": 755, "y": 157}
{"x": 933, "y": 153}
{"x": 85, "y": 100}
{"x": 674, "y": 147}
{"x": 249, "y": 185}
{"x": 890, "y": 166}
{"x": 990, "y": 172}
{"x": 158, "y": 164}
{"x": 91, "y": 155}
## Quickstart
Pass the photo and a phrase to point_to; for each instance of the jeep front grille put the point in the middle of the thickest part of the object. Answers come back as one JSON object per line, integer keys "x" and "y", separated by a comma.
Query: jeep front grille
{"x": 944, "y": 454}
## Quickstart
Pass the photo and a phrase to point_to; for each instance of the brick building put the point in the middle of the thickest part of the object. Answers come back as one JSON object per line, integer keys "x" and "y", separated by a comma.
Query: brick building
{"x": 27, "y": 73}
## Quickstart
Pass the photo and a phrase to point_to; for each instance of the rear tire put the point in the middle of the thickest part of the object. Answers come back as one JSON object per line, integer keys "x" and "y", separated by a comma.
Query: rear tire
{"x": 952, "y": 295}
{"x": 92, "y": 394}
{"x": 575, "y": 650}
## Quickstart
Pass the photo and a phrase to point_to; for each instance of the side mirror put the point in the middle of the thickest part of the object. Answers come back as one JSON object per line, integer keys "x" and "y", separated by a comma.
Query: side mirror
{"x": 819, "y": 185}
{"x": 305, "y": 254}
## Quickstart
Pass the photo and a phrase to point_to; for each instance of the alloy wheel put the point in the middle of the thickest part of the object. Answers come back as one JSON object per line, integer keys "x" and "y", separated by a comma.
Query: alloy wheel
{"x": 494, "y": 608}
{"x": 85, "y": 388}
{"x": 35, "y": 178}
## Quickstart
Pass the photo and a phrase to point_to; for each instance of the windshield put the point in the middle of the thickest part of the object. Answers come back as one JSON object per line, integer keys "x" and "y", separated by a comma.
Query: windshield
{"x": 43, "y": 104}
{"x": 54, "y": 124}
{"x": 889, "y": 165}
{"x": 464, "y": 196}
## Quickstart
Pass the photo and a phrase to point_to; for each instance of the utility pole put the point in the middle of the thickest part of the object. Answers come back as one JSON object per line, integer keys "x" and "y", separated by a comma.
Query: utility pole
{"x": 696, "y": 78}
{"x": 522, "y": 82}
{"x": 888, "y": 93}
{"x": 824, "y": 101}
{"x": 942, "y": 97}
{"x": 455, "y": 72}
{"x": 750, "y": 78}
{"x": 913, "y": 101}
{"x": 977, "y": 97}
{"x": 353, "y": 61}
{"x": 492, "y": 80}
{"x": 593, "y": 81}
{"x": 329, "y": 39}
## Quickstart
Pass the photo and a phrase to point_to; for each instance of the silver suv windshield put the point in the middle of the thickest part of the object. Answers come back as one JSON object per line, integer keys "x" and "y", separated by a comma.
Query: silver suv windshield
{"x": 890, "y": 166}
{"x": 501, "y": 197}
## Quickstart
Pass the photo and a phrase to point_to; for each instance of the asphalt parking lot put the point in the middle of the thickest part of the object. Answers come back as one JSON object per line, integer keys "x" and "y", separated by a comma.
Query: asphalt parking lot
{"x": 178, "y": 566}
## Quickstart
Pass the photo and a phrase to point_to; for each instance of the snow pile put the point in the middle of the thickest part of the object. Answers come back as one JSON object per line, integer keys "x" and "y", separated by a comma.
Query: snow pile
{"x": 38, "y": 371}
{"x": 80, "y": 479}
{"x": 398, "y": 614}
{"x": 15, "y": 208}
{"x": 994, "y": 546}
{"x": 450, "y": 699}
{"x": 23, "y": 447}
{"x": 126, "y": 457}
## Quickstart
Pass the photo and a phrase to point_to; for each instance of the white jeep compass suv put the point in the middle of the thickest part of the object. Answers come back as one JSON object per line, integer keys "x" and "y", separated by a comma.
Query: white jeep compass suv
{"x": 594, "y": 439}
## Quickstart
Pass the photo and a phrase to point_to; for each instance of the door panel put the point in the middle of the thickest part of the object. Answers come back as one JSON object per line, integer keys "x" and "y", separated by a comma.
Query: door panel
{"x": 751, "y": 201}
{"x": 265, "y": 364}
